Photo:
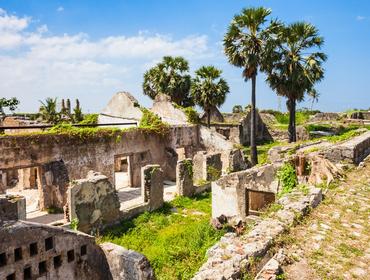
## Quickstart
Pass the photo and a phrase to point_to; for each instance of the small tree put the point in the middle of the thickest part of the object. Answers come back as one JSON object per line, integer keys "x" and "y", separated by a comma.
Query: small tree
{"x": 209, "y": 89}
{"x": 170, "y": 77}
{"x": 77, "y": 112}
{"x": 10, "y": 103}
{"x": 48, "y": 110}
{"x": 237, "y": 109}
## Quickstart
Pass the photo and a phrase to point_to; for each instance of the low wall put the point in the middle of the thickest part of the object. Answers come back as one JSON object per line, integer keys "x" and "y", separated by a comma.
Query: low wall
{"x": 353, "y": 150}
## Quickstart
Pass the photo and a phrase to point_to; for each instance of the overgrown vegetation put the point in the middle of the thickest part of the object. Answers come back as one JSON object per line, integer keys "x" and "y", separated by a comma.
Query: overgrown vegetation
{"x": 287, "y": 178}
{"x": 302, "y": 116}
{"x": 174, "y": 239}
{"x": 152, "y": 122}
{"x": 192, "y": 115}
{"x": 90, "y": 119}
{"x": 262, "y": 151}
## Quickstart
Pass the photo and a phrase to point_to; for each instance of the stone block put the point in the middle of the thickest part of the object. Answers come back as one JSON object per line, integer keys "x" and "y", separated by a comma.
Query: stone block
{"x": 12, "y": 207}
{"x": 152, "y": 185}
{"x": 237, "y": 161}
{"x": 184, "y": 178}
{"x": 94, "y": 202}
{"x": 126, "y": 264}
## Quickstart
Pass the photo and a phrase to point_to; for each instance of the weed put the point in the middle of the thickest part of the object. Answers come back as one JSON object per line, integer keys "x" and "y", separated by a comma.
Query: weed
{"x": 287, "y": 178}
{"x": 74, "y": 224}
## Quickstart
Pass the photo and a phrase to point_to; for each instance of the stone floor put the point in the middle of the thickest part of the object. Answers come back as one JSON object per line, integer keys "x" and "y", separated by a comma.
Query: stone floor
{"x": 334, "y": 242}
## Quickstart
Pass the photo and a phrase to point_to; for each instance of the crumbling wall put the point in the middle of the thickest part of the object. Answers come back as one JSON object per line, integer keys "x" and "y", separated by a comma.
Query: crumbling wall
{"x": 12, "y": 208}
{"x": 230, "y": 194}
{"x": 184, "y": 178}
{"x": 35, "y": 251}
{"x": 353, "y": 150}
{"x": 126, "y": 264}
{"x": 207, "y": 167}
{"x": 97, "y": 152}
{"x": 93, "y": 201}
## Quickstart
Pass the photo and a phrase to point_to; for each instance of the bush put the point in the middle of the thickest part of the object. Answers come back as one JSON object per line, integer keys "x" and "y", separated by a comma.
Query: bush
{"x": 192, "y": 115}
{"x": 90, "y": 119}
{"x": 287, "y": 178}
{"x": 152, "y": 122}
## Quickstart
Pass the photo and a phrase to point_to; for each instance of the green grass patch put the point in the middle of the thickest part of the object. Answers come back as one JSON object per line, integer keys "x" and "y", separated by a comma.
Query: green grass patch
{"x": 262, "y": 151}
{"x": 174, "y": 239}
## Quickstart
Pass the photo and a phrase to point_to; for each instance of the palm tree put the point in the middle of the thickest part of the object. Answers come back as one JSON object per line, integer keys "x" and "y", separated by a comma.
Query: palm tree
{"x": 314, "y": 94}
{"x": 244, "y": 44}
{"x": 170, "y": 77}
{"x": 208, "y": 89}
{"x": 294, "y": 69}
{"x": 48, "y": 110}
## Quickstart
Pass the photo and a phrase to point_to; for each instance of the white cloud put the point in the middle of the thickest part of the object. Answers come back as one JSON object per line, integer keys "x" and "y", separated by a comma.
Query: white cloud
{"x": 75, "y": 65}
{"x": 60, "y": 9}
{"x": 359, "y": 18}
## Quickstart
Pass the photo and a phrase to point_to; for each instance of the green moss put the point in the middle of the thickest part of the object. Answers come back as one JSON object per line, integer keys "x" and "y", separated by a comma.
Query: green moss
{"x": 213, "y": 173}
{"x": 189, "y": 166}
{"x": 174, "y": 239}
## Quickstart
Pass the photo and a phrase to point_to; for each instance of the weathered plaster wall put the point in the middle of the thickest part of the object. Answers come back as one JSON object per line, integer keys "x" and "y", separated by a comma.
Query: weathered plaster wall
{"x": 97, "y": 152}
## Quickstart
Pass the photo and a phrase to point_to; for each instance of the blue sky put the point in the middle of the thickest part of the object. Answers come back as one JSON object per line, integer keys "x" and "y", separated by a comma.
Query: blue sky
{"x": 92, "y": 49}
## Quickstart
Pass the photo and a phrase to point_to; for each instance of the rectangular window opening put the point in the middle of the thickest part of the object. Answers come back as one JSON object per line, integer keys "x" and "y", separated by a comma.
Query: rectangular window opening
{"x": 27, "y": 273}
{"x": 71, "y": 255}
{"x": 42, "y": 267}
{"x": 2, "y": 259}
{"x": 17, "y": 254}
{"x": 57, "y": 261}
{"x": 33, "y": 249}
{"x": 49, "y": 243}
{"x": 11, "y": 276}
{"x": 83, "y": 250}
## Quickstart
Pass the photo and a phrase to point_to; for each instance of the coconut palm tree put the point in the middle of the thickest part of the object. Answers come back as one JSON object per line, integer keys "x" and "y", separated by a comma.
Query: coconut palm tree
{"x": 314, "y": 94}
{"x": 48, "y": 110}
{"x": 170, "y": 77}
{"x": 244, "y": 45}
{"x": 296, "y": 66}
{"x": 208, "y": 89}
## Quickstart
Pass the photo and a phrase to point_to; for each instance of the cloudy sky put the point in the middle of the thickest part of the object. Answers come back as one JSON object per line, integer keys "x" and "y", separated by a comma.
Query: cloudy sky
{"x": 92, "y": 49}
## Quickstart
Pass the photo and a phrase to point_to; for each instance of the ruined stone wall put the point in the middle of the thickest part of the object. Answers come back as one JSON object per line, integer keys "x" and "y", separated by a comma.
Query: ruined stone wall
{"x": 96, "y": 152}
{"x": 31, "y": 251}
{"x": 353, "y": 150}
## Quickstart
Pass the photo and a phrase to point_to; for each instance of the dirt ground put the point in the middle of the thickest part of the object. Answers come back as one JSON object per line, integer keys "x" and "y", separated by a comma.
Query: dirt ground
{"x": 334, "y": 242}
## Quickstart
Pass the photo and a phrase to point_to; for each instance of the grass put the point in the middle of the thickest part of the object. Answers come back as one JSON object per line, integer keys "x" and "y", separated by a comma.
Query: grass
{"x": 174, "y": 239}
{"x": 262, "y": 151}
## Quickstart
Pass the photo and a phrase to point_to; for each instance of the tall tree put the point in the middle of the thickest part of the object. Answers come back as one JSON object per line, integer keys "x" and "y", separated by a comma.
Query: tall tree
{"x": 314, "y": 95}
{"x": 10, "y": 103}
{"x": 296, "y": 66}
{"x": 208, "y": 89}
{"x": 48, "y": 110}
{"x": 170, "y": 77}
{"x": 244, "y": 44}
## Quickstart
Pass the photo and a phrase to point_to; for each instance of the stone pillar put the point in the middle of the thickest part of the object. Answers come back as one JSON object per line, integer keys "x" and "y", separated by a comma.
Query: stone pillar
{"x": 184, "y": 178}
{"x": 152, "y": 185}
{"x": 12, "y": 207}
{"x": 207, "y": 167}
{"x": 237, "y": 161}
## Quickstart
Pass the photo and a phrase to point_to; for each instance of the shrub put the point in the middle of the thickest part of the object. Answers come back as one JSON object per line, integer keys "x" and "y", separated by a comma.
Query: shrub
{"x": 192, "y": 115}
{"x": 287, "y": 178}
{"x": 90, "y": 119}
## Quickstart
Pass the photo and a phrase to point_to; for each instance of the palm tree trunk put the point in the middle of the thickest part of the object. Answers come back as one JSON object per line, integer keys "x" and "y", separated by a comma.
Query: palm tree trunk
{"x": 253, "y": 146}
{"x": 291, "y": 105}
{"x": 208, "y": 117}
